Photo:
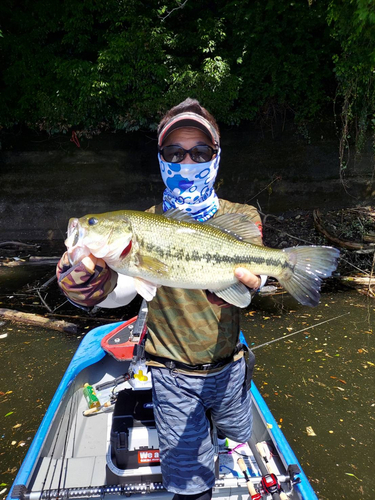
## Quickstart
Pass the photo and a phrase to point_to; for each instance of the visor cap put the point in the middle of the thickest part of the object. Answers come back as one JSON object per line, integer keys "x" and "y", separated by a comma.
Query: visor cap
{"x": 189, "y": 119}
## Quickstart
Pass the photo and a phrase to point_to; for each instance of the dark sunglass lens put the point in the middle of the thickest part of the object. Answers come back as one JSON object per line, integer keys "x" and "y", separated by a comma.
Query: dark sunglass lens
{"x": 201, "y": 154}
{"x": 173, "y": 154}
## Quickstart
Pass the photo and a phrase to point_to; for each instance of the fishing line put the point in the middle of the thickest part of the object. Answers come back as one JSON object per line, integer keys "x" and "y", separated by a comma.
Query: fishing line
{"x": 299, "y": 331}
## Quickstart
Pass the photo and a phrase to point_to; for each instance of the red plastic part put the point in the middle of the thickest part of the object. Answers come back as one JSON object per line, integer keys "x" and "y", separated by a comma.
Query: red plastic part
{"x": 123, "y": 351}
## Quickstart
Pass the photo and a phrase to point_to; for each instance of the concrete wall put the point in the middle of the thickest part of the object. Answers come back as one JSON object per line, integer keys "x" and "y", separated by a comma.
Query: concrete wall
{"x": 42, "y": 187}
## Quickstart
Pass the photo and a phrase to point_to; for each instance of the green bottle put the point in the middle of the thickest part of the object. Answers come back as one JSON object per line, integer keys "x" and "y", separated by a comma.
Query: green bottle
{"x": 90, "y": 396}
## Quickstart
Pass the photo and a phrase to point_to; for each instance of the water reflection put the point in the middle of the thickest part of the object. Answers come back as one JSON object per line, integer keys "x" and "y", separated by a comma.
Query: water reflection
{"x": 322, "y": 378}
{"x": 12, "y": 279}
{"x": 32, "y": 362}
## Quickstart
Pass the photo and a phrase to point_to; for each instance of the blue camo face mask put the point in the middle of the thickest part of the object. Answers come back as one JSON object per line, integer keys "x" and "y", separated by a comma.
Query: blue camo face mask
{"x": 190, "y": 187}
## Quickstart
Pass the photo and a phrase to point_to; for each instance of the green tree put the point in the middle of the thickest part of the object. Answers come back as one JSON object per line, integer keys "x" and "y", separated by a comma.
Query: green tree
{"x": 122, "y": 63}
{"x": 353, "y": 26}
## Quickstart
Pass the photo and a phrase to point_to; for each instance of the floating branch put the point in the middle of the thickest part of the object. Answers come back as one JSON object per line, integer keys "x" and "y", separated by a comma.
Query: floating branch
{"x": 18, "y": 244}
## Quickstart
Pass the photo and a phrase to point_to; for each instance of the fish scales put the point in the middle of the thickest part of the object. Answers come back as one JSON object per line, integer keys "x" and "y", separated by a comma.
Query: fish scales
{"x": 172, "y": 251}
{"x": 198, "y": 253}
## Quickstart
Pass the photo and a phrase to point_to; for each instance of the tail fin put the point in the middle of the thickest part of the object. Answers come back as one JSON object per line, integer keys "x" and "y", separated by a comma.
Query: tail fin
{"x": 308, "y": 265}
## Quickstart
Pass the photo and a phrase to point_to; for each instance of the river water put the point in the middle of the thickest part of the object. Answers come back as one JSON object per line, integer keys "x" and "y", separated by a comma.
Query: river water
{"x": 321, "y": 378}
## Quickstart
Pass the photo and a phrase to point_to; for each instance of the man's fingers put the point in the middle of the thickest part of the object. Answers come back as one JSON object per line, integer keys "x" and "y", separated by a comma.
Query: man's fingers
{"x": 247, "y": 278}
{"x": 89, "y": 262}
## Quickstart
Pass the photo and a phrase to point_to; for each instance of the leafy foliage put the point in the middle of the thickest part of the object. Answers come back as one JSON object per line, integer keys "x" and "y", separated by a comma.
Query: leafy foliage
{"x": 353, "y": 26}
{"x": 122, "y": 63}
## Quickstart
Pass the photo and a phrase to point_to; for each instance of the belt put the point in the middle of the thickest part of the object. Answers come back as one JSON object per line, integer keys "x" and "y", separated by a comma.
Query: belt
{"x": 178, "y": 365}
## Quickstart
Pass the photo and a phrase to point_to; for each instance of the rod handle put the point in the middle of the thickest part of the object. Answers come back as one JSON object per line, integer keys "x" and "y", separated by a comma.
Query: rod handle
{"x": 253, "y": 493}
{"x": 92, "y": 411}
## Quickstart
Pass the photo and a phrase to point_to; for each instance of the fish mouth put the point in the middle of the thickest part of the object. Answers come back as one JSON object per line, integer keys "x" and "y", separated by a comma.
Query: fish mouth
{"x": 75, "y": 234}
{"x": 73, "y": 231}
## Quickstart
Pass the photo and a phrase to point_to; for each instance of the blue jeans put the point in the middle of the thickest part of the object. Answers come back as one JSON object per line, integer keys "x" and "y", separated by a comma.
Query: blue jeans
{"x": 180, "y": 405}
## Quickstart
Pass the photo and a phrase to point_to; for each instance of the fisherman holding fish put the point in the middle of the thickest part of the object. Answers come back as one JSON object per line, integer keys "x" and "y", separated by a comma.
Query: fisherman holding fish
{"x": 190, "y": 258}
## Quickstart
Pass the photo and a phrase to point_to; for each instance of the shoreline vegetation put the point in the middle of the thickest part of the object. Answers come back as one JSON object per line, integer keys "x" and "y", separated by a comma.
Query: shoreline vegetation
{"x": 83, "y": 69}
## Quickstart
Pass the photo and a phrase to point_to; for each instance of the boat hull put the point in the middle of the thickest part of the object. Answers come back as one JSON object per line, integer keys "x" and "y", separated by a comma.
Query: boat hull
{"x": 72, "y": 455}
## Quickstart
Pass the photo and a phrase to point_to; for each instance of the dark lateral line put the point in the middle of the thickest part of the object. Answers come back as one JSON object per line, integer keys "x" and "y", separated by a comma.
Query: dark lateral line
{"x": 217, "y": 258}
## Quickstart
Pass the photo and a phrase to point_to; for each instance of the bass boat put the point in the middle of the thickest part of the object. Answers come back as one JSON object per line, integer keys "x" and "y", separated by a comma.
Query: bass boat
{"x": 98, "y": 437}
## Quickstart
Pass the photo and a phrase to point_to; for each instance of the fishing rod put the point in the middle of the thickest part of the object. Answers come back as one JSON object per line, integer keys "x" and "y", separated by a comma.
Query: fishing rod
{"x": 299, "y": 331}
{"x": 254, "y": 494}
{"x": 269, "y": 481}
{"x": 20, "y": 492}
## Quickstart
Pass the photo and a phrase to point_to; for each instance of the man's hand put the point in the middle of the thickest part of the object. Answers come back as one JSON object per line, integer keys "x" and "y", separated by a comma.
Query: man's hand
{"x": 91, "y": 261}
{"x": 247, "y": 278}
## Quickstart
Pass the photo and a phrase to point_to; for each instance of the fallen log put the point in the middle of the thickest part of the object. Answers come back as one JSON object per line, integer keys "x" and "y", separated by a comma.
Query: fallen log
{"x": 359, "y": 280}
{"x": 38, "y": 258}
{"x": 31, "y": 261}
{"x": 85, "y": 318}
{"x": 18, "y": 244}
{"x": 350, "y": 245}
{"x": 369, "y": 237}
{"x": 37, "y": 320}
{"x": 362, "y": 284}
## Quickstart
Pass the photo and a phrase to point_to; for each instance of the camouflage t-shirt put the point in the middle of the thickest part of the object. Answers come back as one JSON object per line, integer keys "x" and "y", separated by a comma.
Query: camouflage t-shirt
{"x": 195, "y": 326}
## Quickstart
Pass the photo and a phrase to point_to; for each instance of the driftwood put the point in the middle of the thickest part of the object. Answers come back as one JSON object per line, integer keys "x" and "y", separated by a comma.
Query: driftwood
{"x": 359, "y": 280}
{"x": 370, "y": 237}
{"x": 18, "y": 244}
{"x": 350, "y": 245}
{"x": 85, "y": 318}
{"x": 37, "y": 320}
{"x": 31, "y": 261}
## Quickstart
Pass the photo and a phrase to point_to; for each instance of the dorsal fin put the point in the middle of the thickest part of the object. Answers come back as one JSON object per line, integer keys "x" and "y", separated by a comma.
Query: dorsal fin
{"x": 180, "y": 215}
{"x": 237, "y": 225}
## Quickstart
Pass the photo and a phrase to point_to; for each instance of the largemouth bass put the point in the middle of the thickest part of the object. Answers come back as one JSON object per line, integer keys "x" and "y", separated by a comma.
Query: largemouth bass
{"x": 174, "y": 250}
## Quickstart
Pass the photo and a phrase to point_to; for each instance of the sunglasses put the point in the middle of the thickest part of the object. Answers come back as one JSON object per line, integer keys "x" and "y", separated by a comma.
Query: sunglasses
{"x": 199, "y": 154}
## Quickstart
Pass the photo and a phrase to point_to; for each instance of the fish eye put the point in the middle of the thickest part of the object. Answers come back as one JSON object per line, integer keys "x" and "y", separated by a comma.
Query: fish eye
{"x": 92, "y": 221}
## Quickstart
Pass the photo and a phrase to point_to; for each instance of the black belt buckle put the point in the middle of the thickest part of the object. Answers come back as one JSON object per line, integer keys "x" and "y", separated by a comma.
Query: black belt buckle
{"x": 171, "y": 365}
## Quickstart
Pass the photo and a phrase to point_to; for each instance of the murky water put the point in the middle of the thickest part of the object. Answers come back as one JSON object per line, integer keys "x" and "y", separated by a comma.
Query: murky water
{"x": 32, "y": 362}
{"x": 321, "y": 378}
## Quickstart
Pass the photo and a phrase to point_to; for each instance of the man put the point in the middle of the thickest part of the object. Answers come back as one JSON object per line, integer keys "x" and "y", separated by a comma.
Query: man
{"x": 193, "y": 335}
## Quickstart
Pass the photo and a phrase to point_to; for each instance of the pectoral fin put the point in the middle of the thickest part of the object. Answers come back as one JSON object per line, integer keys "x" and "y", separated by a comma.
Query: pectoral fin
{"x": 151, "y": 264}
{"x": 146, "y": 289}
{"x": 237, "y": 294}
